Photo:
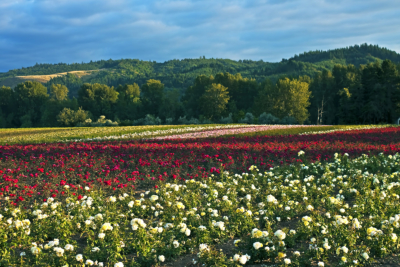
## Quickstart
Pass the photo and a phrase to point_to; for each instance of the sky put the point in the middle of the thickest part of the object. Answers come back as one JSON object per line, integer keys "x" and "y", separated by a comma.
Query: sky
{"x": 70, "y": 31}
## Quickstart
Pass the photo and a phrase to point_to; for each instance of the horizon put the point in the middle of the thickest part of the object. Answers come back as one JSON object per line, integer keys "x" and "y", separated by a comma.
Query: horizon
{"x": 51, "y": 32}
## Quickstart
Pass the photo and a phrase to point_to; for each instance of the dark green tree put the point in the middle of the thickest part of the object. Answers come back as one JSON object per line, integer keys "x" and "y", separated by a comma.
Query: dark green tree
{"x": 152, "y": 96}
{"x": 98, "y": 99}
{"x": 128, "y": 105}
{"x": 214, "y": 100}
{"x": 30, "y": 97}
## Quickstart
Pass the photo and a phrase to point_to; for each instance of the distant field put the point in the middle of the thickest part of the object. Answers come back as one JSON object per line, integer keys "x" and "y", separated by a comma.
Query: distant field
{"x": 51, "y": 135}
{"x": 13, "y": 81}
{"x": 87, "y": 134}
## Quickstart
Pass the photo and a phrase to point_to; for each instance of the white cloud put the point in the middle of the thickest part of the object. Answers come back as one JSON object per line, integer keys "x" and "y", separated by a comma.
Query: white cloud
{"x": 73, "y": 31}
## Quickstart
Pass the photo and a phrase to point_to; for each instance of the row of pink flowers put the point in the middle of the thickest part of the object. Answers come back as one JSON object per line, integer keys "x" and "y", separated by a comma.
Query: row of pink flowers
{"x": 220, "y": 132}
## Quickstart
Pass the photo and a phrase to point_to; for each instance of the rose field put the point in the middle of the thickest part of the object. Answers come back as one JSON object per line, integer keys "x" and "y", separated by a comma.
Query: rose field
{"x": 237, "y": 195}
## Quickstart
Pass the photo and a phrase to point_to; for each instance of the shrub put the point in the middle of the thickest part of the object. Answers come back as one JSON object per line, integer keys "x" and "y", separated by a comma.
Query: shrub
{"x": 248, "y": 118}
{"x": 69, "y": 117}
{"x": 138, "y": 122}
{"x": 228, "y": 119}
{"x": 168, "y": 121}
{"x": 267, "y": 119}
{"x": 193, "y": 121}
{"x": 288, "y": 120}
{"x": 101, "y": 122}
{"x": 182, "y": 120}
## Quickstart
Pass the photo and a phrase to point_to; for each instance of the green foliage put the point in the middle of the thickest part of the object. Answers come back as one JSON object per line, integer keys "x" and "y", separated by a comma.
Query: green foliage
{"x": 69, "y": 117}
{"x": 101, "y": 122}
{"x": 58, "y": 92}
{"x": 214, "y": 100}
{"x": 248, "y": 118}
{"x": 98, "y": 98}
{"x": 153, "y": 95}
{"x": 29, "y": 97}
{"x": 267, "y": 119}
{"x": 340, "y": 90}
{"x": 227, "y": 120}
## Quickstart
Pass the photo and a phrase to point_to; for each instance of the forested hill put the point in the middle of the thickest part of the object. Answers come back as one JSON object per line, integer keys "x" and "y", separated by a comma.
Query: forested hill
{"x": 181, "y": 73}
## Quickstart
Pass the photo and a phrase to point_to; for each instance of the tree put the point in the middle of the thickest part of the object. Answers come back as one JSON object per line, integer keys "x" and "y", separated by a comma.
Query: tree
{"x": 29, "y": 98}
{"x": 98, "y": 98}
{"x": 214, "y": 100}
{"x": 264, "y": 102}
{"x": 193, "y": 93}
{"x": 153, "y": 94}
{"x": 58, "y": 92}
{"x": 69, "y": 117}
{"x": 6, "y": 105}
{"x": 128, "y": 104}
{"x": 293, "y": 99}
{"x": 171, "y": 106}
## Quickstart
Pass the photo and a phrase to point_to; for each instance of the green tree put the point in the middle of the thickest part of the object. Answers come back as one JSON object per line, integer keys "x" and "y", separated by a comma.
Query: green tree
{"x": 172, "y": 106}
{"x": 214, "y": 101}
{"x": 293, "y": 99}
{"x": 128, "y": 104}
{"x": 98, "y": 99}
{"x": 58, "y": 92}
{"x": 6, "y": 106}
{"x": 29, "y": 98}
{"x": 193, "y": 93}
{"x": 69, "y": 117}
{"x": 153, "y": 95}
{"x": 264, "y": 102}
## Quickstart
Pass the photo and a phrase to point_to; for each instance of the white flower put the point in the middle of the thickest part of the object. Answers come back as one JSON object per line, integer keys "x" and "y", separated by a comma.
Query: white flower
{"x": 69, "y": 247}
{"x": 301, "y": 152}
{"x": 112, "y": 199}
{"x": 257, "y": 245}
{"x": 321, "y": 264}
{"x": 79, "y": 257}
{"x": 203, "y": 247}
{"x": 106, "y": 226}
{"x": 287, "y": 261}
{"x": 271, "y": 198}
{"x": 365, "y": 255}
{"x": 95, "y": 249}
{"x": 175, "y": 243}
{"x": 280, "y": 234}
{"x": 243, "y": 259}
{"x": 35, "y": 250}
{"x": 153, "y": 198}
{"x": 101, "y": 235}
{"x": 119, "y": 264}
{"x": 89, "y": 262}
{"x": 187, "y": 232}
{"x": 161, "y": 258}
{"x": 310, "y": 208}
{"x": 236, "y": 257}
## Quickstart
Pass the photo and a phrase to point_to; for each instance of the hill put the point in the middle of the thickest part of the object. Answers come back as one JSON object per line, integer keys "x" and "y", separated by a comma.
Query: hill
{"x": 14, "y": 81}
{"x": 181, "y": 73}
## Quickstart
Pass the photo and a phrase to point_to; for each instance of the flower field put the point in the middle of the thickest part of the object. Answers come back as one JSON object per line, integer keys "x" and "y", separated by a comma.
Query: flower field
{"x": 328, "y": 199}
{"x": 81, "y": 134}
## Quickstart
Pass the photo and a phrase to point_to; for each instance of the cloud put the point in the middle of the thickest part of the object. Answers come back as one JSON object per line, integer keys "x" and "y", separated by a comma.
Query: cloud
{"x": 52, "y": 31}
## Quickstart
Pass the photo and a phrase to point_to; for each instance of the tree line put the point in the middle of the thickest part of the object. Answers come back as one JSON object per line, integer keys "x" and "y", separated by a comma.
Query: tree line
{"x": 368, "y": 94}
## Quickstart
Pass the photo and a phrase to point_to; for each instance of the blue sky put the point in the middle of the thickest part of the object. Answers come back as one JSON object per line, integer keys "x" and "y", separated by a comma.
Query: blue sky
{"x": 52, "y": 31}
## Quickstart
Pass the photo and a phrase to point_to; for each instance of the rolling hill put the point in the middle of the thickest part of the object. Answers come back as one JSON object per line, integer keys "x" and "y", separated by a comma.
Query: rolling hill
{"x": 181, "y": 73}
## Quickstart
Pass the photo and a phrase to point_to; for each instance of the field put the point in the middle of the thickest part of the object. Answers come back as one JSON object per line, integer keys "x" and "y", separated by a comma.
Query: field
{"x": 14, "y": 81}
{"x": 231, "y": 195}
